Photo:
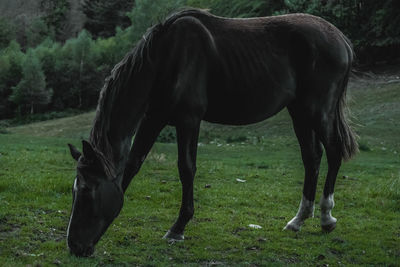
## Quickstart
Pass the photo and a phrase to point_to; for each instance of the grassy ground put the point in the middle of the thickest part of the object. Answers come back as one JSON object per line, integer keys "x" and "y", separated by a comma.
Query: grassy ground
{"x": 36, "y": 173}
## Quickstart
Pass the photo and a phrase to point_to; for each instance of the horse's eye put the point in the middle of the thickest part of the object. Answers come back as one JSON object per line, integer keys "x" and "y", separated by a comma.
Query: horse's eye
{"x": 83, "y": 188}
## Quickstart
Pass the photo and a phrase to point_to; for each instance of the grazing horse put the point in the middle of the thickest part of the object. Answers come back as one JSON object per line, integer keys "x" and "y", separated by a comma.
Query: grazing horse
{"x": 196, "y": 66}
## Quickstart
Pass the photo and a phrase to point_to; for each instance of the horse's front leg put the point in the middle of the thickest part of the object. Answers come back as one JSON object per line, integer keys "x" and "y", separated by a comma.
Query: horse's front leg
{"x": 187, "y": 136}
{"x": 146, "y": 135}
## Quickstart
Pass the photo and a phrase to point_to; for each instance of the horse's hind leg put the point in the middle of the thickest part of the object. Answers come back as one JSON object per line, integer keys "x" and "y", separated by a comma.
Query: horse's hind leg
{"x": 311, "y": 151}
{"x": 332, "y": 144}
{"x": 187, "y": 136}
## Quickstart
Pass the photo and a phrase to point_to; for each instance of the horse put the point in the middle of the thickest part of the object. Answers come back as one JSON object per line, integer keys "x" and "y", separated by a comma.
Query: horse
{"x": 196, "y": 66}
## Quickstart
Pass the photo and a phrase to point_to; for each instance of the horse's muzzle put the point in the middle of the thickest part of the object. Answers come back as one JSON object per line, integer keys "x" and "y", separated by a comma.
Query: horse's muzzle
{"x": 80, "y": 250}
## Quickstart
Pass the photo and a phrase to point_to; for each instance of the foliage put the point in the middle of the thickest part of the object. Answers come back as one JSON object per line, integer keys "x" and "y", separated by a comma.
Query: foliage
{"x": 11, "y": 61}
{"x": 3, "y": 127}
{"x": 104, "y": 16}
{"x": 167, "y": 135}
{"x": 73, "y": 71}
{"x": 31, "y": 91}
{"x": 82, "y": 66}
{"x": 55, "y": 17}
{"x": 37, "y": 32}
{"x": 111, "y": 50}
{"x": 146, "y": 13}
{"x": 7, "y": 33}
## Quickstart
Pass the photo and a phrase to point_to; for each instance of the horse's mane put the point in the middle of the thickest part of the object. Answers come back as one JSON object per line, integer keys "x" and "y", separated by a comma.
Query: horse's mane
{"x": 120, "y": 76}
{"x": 122, "y": 73}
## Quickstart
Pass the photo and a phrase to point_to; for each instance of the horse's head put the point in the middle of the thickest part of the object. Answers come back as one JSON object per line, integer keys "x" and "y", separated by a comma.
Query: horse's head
{"x": 96, "y": 201}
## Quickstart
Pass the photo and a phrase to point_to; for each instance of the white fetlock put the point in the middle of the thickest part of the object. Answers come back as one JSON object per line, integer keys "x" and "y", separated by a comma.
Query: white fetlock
{"x": 328, "y": 222}
{"x": 173, "y": 237}
{"x": 306, "y": 210}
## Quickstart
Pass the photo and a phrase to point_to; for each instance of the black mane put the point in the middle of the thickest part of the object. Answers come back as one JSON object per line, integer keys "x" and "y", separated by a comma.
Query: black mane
{"x": 119, "y": 79}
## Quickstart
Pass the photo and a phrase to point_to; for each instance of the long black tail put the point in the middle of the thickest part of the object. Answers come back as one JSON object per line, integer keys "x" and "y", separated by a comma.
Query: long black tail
{"x": 347, "y": 137}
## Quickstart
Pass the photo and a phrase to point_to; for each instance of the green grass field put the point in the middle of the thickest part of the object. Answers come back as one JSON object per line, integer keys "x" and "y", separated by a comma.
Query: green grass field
{"x": 36, "y": 175}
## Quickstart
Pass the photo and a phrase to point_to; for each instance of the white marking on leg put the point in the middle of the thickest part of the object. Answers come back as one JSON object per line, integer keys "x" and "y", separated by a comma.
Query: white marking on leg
{"x": 306, "y": 210}
{"x": 327, "y": 204}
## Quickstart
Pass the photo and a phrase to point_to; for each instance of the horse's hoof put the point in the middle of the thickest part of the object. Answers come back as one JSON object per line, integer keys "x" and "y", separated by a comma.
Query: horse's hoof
{"x": 291, "y": 227}
{"x": 173, "y": 237}
{"x": 329, "y": 227}
{"x": 294, "y": 224}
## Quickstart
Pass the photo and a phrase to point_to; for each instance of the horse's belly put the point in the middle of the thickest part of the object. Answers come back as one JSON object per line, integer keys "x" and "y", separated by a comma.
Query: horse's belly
{"x": 251, "y": 93}
{"x": 245, "y": 109}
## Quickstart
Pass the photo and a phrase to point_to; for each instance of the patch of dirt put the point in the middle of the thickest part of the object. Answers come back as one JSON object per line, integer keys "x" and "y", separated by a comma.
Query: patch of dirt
{"x": 238, "y": 230}
{"x": 49, "y": 234}
{"x": 8, "y": 229}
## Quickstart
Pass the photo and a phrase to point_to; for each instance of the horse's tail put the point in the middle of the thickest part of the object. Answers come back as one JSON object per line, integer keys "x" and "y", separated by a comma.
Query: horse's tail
{"x": 347, "y": 137}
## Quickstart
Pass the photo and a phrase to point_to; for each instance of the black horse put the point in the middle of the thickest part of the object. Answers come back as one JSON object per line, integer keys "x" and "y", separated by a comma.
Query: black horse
{"x": 195, "y": 66}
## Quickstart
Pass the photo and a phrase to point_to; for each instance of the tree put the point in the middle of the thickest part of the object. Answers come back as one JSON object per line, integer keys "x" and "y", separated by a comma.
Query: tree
{"x": 31, "y": 91}
{"x": 7, "y": 33}
{"x": 147, "y": 13}
{"x": 37, "y": 32}
{"x": 11, "y": 61}
{"x": 104, "y": 16}
{"x": 78, "y": 76}
{"x": 81, "y": 53}
{"x": 55, "y": 17}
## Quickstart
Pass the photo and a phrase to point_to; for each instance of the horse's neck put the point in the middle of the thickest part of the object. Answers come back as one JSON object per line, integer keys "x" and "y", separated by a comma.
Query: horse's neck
{"x": 114, "y": 128}
{"x": 112, "y": 145}
{"x": 123, "y": 102}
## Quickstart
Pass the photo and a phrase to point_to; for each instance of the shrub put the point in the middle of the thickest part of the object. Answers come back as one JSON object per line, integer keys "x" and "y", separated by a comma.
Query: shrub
{"x": 31, "y": 93}
{"x": 167, "y": 135}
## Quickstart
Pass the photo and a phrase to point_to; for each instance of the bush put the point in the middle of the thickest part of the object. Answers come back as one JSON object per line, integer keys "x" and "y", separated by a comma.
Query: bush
{"x": 11, "y": 61}
{"x": 364, "y": 146}
{"x": 7, "y": 33}
{"x": 236, "y": 139}
{"x": 31, "y": 92}
{"x": 3, "y": 127}
{"x": 167, "y": 135}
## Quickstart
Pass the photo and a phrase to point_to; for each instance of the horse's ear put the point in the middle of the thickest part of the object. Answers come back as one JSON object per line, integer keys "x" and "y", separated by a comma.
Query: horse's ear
{"x": 88, "y": 151}
{"x": 74, "y": 152}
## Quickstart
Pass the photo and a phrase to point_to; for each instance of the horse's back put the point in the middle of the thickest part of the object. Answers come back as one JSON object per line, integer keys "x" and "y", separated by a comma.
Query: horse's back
{"x": 259, "y": 64}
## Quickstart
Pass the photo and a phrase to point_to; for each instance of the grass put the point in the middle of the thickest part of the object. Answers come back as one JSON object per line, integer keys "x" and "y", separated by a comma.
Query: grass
{"x": 36, "y": 173}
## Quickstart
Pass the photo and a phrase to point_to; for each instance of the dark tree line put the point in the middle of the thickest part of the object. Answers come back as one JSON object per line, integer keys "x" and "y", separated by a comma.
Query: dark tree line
{"x": 102, "y": 17}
